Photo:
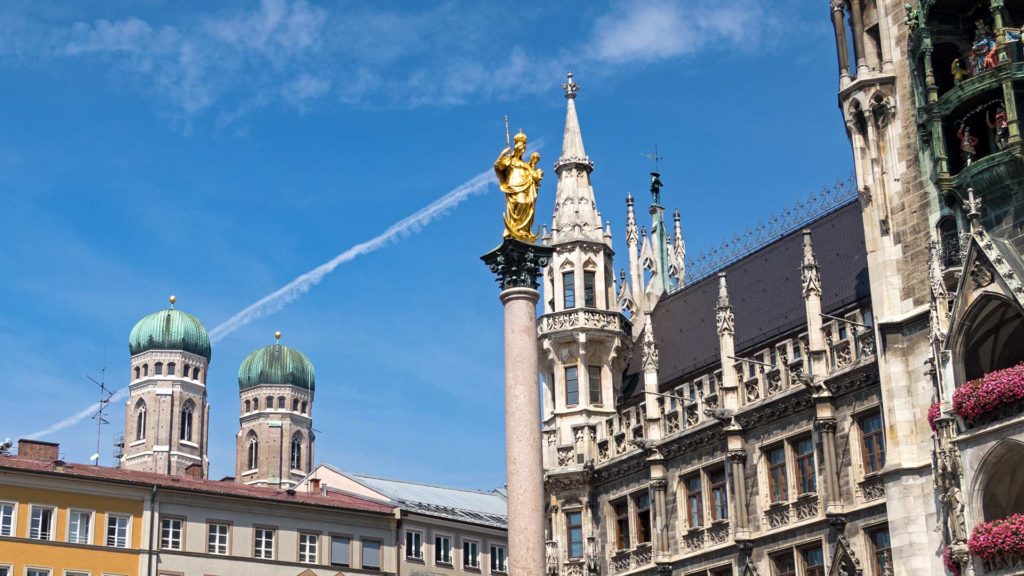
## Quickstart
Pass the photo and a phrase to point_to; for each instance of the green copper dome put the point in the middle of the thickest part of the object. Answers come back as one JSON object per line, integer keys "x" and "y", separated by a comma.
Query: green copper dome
{"x": 276, "y": 364}
{"x": 170, "y": 329}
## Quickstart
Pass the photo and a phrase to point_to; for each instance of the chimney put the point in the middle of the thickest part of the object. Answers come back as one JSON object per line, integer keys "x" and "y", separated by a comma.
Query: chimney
{"x": 314, "y": 485}
{"x": 194, "y": 471}
{"x": 38, "y": 450}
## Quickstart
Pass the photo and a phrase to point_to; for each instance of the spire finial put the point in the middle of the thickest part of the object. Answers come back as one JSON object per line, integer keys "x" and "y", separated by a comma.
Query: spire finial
{"x": 973, "y": 207}
{"x": 172, "y": 300}
{"x": 277, "y": 336}
{"x": 570, "y": 86}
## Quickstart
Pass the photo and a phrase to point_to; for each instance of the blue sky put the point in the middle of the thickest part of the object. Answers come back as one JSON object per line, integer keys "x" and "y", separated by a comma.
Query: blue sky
{"x": 216, "y": 151}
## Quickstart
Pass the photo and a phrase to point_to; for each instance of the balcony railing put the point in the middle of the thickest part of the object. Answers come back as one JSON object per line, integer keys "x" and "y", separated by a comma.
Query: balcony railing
{"x": 583, "y": 319}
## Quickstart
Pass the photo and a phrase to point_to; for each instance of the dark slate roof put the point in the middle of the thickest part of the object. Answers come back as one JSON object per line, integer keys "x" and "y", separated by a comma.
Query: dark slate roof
{"x": 766, "y": 295}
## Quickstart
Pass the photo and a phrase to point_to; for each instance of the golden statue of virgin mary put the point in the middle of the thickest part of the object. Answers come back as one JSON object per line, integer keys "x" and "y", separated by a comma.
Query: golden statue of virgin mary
{"x": 519, "y": 180}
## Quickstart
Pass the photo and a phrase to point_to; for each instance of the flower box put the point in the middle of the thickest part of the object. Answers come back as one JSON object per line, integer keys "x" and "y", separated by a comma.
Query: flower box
{"x": 987, "y": 394}
{"x": 998, "y": 539}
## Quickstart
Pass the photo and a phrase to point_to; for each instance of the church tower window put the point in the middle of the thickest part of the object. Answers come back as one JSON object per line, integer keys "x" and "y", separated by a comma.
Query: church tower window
{"x": 296, "y": 457}
{"x": 171, "y": 368}
{"x": 195, "y": 373}
{"x": 140, "y": 420}
{"x": 158, "y": 368}
{"x": 568, "y": 290}
{"x": 253, "y": 452}
{"x": 186, "y": 422}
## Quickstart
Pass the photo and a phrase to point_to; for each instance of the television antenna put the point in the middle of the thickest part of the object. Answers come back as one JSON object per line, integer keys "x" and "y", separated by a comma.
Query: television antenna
{"x": 100, "y": 416}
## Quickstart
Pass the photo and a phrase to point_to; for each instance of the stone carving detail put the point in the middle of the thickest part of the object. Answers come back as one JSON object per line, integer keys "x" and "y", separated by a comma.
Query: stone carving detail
{"x": 586, "y": 319}
{"x": 566, "y": 455}
{"x": 718, "y": 534}
{"x": 649, "y": 353}
{"x": 809, "y": 274}
{"x": 602, "y": 451}
{"x": 981, "y": 274}
{"x": 724, "y": 319}
{"x": 517, "y": 264}
{"x": 753, "y": 389}
{"x": 642, "y": 556}
{"x": 693, "y": 541}
{"x": 843, "y": 354}
{"x": 774, "y": 381}
{"x": 872, "y": 489}
{"x": 551, "y": 557}
{"x": 621, "y": 562}
{"x": 672, "y": 422}
{"x": 777, "y": 516}
{"x": 806, "y": 508}
{"x": 692, "y": 416}
{"x": 572, "y": 569}
{"x": 620, "y": 443}
{"x": 867, "y": 344}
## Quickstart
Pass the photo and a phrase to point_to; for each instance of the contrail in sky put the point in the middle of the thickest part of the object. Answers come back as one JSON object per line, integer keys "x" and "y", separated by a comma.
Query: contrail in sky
{"x": 300, "y": 285}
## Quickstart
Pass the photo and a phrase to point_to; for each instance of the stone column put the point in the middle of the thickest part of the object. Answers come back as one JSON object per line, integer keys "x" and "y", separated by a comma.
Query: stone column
{"x": 517, "y": 266}
{"x": 826, "y": 422}
{"x": 929, "y": 74}
{"x": 857, "y": 20}
{"x": 811, "y": 278}
{"x": 737, "y": 459}
{"x": 840, "y": 29}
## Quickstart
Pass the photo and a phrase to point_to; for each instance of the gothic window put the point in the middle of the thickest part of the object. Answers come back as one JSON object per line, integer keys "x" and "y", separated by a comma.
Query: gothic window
{"x": 572, "y": 386}
{"x": 621, "y": 511}
{"x": 777, "y": 488}
{"x": 304, "y": 406}
{"x": 719, "y": 495}
{"x": 589, "y": 290}
{"x": 280, "y": 402}
{"x": 1002, "y": 487}
{"x": 694, "y": 501}
{"x": 813, "y": 560}
{"x": 195, "y": 373}
{"x": 253, "y": 452}
{"x": 185, "y": 372}
{"x": 642, "y": 502}
{"x": 247, "y": 407}
{"x": 295, "y": 404}
{"x": 872, "y": 442}
{"x": 594, "y": 372}
{"x": 568, "y": 290}
{"x": 170, "y": 368}
{"x": 783, "y": 564}
{"x": 992, "y": 331}
{"x": 296, "y": 458}
{"x": 158, "y": 368}
{"x": 140, "y": 420}
{"x": 878, "y": 541}
{"x": 145, "y": 369}
{"x": 186, "y": 421}
{"x": 806, "y": 478}
{"x": 256, "y": 403}
{"x": 574, "y": 533}
{"x": 138, "y": 372}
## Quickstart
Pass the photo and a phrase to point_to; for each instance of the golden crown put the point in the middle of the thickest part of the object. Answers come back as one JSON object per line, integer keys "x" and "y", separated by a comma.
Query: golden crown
{"x": 520, "y": 137}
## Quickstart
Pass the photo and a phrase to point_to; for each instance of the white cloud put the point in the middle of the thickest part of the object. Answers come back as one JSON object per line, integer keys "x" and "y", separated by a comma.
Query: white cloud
{"x": 304, "y": 87}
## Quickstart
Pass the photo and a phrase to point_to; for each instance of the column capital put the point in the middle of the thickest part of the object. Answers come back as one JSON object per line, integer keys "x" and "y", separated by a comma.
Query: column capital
{"x": 837, "y": 5}
{"x": 827, "y": 425}
{"x": 517, "y": 264}
{"x": 738, "y": 456}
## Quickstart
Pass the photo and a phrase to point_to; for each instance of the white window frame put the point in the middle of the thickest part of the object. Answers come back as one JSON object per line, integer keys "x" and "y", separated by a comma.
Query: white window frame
{"x": 181, "y": 532}
{"x": 256, "y": 541}
{"x": 450, "y": 561}
{"x": 91, "y": 524}
{"x": 112, "y": 516}
{"x": 476, "y": 543}
{"x": 13, "y": 518}
{"x": 38, "y": 569}
{"x": 304, "y": 548}
{"x": 227, "y": 538}
{"x": 8, "y": 570}
{"x": 504, "y": 558}
{"x": 53, "y": 520}
{"x": 72, "y": 572}
{"x": 408, "y": 551}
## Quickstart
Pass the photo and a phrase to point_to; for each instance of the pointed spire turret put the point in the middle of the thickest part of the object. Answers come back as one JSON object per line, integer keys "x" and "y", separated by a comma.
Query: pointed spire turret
{"x": 576, "y": 216}
{"x": 724, "y": 316}
{"x": 809, "y": 273}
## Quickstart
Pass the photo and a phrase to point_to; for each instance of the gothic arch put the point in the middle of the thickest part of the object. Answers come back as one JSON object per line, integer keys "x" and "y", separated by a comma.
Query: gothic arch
{"x": 844, "y": 560}
{"x": 998, "y": 489}
{"x": 185, "y": 423}
{"x": 140, "y": 420}
{"x": 988, "y": 337}
{"x": 252, "y": 451}
{"x": 295, "y": 454}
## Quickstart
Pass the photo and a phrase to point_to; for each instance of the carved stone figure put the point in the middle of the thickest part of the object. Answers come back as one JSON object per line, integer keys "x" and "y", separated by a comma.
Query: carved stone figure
{"x": 955, "y": 519}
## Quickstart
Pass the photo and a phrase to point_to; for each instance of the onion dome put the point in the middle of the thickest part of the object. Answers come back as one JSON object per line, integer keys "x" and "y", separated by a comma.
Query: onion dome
{"x": 276, "y": 364}
{"x": 170, "y": 329}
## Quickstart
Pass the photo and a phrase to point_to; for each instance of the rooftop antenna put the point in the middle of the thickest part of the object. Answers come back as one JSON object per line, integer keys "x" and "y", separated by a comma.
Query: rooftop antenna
{"x": 100, "y": 416}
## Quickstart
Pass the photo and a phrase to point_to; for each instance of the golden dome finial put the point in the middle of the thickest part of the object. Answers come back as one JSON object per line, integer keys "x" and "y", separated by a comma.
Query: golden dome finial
{"x": 172, "y": 300}
{"x": 277, "y": 335}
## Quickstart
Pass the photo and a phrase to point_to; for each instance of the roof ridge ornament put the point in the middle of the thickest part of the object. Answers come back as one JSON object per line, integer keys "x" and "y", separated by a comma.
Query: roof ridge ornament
{"x": 570, "y": 86}
{"x": 172, "y": 300}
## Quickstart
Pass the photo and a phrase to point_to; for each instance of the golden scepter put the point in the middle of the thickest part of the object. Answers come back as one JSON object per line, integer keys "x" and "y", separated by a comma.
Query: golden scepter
{"x": 508, "y": 140}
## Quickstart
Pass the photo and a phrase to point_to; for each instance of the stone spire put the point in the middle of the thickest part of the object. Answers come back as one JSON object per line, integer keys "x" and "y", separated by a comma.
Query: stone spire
{"x": 660, "y": 283}
{"x": 576, "y": 216}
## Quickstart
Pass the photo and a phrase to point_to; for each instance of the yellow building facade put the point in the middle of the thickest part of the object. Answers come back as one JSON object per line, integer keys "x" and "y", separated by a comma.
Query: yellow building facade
{"x": 57, "y": 525}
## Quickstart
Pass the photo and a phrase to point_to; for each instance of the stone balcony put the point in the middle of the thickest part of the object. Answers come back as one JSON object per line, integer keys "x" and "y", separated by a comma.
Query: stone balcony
{"x": 583, "y": 319}
{"x": 625, "y": 560}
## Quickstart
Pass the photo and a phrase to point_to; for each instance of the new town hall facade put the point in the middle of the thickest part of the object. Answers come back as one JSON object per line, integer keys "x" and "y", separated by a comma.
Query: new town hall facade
{"x": 842, "y": 400}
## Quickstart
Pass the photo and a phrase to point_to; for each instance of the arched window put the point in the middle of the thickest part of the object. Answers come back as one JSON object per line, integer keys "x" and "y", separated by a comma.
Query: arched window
{"x": 991, "y": 336}
{"x": 186, "y": 421}
{"x": 1000, "y": 480}
{"x": 158, "y": 368}
{"x": 140, "y": 420}
{"x": 247, "y": 406}
{"x": 270, "y": 402}
{"x": 303, "y": 407}
{"x": 170, "y": 368}
{"x": 296, "y": 460}
{"x": 253, "y": 452}
{"x": 195, "y": 373}
{"x": 280, "y": 402}
{"x": 138, "y": 372}
{"x": 295, "y": 404}
{"x": 255, "y": 403}
{"x": 185, "y": 372}
{"x": 145, "y": 369}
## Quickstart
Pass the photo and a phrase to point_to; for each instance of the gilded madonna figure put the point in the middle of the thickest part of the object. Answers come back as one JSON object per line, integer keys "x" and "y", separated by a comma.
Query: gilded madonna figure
{"x": 519, "y": 180}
